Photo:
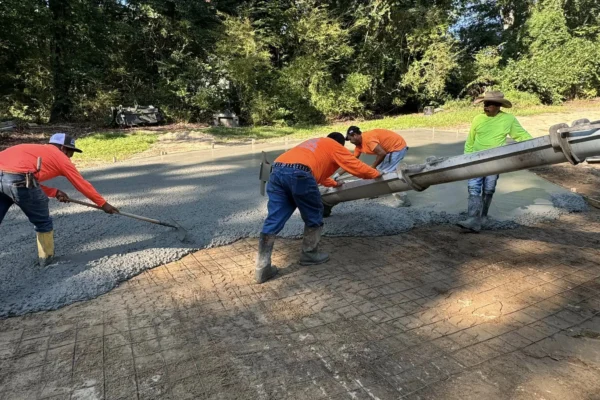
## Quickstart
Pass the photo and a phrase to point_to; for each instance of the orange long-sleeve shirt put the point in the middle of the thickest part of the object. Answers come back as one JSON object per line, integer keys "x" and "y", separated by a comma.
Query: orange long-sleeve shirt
{"x": 23, "y": 158}
{"x": 324, "y": 156}
{"x": 390, "y": 141}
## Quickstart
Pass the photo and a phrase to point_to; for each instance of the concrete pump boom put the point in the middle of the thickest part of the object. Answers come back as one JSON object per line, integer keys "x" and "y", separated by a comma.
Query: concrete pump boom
{"x": 573, "y": 144}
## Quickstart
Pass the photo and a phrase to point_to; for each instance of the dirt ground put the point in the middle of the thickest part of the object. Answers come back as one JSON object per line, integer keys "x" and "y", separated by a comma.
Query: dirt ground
{"x": 429, "y": 314}
{"x": 583, "y": 179}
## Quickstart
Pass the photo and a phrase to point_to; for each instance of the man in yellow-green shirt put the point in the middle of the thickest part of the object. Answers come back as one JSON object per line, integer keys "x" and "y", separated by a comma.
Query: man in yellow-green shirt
{"x": 488, "y": 130}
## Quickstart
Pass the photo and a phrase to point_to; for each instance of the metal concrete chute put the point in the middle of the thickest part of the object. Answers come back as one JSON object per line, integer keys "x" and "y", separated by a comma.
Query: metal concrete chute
{"x": 564, "y": 144}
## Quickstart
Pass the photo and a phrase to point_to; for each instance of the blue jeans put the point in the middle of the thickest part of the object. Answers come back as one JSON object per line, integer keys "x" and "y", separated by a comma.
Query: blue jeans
{"x": 287, "y": 189}
{"x": 391, "y": 161}
{"x": 33, "y": 202}
{"x": 487, "y": 183}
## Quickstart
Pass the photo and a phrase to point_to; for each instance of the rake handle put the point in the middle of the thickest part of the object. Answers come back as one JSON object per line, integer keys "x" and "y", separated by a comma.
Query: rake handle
{"x": 152, "y": 221}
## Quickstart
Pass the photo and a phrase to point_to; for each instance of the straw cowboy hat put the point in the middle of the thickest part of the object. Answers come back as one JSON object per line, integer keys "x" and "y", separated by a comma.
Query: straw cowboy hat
{"x": 495, "y": 96}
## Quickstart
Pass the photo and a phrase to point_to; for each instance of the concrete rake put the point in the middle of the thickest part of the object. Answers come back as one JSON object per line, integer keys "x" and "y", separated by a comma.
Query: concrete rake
{"x": 181, "y": 232}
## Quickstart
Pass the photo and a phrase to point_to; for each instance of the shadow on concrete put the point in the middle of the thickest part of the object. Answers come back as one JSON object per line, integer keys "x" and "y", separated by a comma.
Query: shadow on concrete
{"x": 428, "y": 314}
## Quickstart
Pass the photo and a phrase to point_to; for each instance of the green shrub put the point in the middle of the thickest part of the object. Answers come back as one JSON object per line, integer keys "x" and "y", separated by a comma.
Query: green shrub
{"x": 522, "y": 99}
{"x": 96, "y": 107}
{"x": 337, "y": 100}
{"x": 558, "y": 65}
{"x": 262, "y": 109}
{"x": 457, "y": 105}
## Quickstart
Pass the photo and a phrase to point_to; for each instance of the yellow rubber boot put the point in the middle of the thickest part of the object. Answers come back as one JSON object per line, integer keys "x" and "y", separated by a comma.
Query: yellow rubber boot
{"x": 45, "y": 244}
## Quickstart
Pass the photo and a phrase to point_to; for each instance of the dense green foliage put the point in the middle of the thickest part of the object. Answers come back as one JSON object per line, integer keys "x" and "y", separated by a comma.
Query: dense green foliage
{"x": 284, "y": 62}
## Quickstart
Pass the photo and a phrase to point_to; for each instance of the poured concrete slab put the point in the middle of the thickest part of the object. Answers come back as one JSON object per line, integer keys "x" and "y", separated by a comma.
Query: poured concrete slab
{"x": 214, "y": 194}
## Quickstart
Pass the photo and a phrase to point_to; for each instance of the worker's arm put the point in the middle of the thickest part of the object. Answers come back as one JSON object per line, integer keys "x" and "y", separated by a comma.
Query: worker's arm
{"x": 331, "y": 183}
{"x": 50, "y": 192}
{"x": 379, "y": 156}
{"x": 470, "y": 140}
{"x": 518, "y": 133}
{"x": 84, "y": 187}
{"x": 58, "y": 194}
{"x": 340, "y": 171}
{"x": 337, "y": 173}
{"x": 351, "y": 164}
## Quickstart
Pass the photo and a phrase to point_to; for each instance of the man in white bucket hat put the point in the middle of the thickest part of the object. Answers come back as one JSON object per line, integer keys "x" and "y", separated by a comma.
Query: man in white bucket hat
{"x": 488, "y": 130}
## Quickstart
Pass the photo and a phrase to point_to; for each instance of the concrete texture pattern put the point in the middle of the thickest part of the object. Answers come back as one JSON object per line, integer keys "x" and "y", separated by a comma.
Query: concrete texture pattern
{"x": 427, "y": 314}
{"x": 214, "y": 195}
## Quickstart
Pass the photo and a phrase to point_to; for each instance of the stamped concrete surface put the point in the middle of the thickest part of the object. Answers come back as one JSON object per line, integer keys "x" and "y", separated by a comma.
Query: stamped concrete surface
{"x": 215, "y": 195}
{"x": 428, "y": 314}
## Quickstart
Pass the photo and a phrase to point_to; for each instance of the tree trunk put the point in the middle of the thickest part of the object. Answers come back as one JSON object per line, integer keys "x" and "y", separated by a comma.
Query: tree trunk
{"x": 62, "y": 104}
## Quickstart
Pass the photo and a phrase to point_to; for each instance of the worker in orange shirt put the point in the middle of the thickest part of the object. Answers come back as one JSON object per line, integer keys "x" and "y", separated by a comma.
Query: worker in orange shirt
{"x": 388, "y": 147}
{"x": 293, "y": 184}
{"x": 19, "y": 184}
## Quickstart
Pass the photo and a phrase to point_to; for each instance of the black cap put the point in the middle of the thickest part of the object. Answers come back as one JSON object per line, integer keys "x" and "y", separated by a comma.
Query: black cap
{"x": 353, "y": 130}
{"x": 64, "y": 140}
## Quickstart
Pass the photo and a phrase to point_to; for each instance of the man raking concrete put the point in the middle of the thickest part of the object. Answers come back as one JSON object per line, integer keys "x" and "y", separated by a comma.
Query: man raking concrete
{"x": 293, "y": 184}
{"x": 23, "y": 166}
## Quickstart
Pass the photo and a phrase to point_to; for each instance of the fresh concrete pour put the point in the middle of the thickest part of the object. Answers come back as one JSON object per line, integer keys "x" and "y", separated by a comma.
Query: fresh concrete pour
{"x": 214, "y": 195}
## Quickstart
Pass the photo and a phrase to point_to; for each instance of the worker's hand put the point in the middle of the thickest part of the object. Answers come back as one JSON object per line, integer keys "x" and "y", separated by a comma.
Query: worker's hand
{"x": 107, "y": 208}
{"x": 62, "y": 196}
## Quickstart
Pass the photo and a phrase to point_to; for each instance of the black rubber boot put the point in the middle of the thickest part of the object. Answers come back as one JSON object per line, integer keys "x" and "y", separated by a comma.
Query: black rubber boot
{"x": 310, "y": 247}
{"x": 487, "y": 201}
{"x": 264, "y": 270}
{"x": 326, "y": 210}
{"x": 473, "y": 223}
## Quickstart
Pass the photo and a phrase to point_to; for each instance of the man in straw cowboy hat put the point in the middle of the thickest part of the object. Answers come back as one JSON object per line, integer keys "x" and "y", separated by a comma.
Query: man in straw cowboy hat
{"x": 488, "y": 131}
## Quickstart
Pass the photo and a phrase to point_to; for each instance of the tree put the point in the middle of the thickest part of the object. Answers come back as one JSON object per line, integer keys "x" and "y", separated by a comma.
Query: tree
{"x": 24, "y": 65}
{"x": 559, "y": 64}
{"x": 435, "y": 59}
{"x": 288, "y": 61}
{"x": 62, "y": 34}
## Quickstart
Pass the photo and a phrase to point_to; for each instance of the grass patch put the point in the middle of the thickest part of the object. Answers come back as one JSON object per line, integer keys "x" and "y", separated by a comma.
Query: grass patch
{"x": 445, "y": 119}
{"x": 102, "y": 147}
{"x": 105, "y": 146}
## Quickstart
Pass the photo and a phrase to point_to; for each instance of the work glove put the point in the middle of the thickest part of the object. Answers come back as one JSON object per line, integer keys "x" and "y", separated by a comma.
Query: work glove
{"x": 107, "y": 208}
{"x": 62, "y": 196}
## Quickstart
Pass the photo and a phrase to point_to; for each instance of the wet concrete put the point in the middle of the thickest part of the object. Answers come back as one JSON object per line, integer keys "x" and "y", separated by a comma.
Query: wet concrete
{"x": 215, "y": 196}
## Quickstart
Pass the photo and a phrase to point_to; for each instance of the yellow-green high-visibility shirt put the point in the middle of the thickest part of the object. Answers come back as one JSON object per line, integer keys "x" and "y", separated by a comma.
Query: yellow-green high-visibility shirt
{"x": 490, "y": 132}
